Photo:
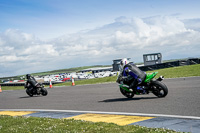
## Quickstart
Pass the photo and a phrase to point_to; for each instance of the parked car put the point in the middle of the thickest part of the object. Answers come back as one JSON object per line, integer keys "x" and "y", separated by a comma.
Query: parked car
{"x": 65, "y": 79}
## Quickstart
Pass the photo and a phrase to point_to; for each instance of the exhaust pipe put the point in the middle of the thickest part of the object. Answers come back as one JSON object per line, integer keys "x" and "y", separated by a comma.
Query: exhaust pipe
{"x": 160, "y": 78}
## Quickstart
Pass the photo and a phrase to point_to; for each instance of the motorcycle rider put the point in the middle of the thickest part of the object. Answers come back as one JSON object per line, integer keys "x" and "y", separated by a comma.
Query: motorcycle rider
{"x": 31, "y": 80}
{"x": 130, "y": 75}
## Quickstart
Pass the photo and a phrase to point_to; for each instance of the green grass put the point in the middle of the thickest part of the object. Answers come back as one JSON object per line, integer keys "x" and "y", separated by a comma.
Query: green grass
{"x": 182, "y": 71}
{"x": 173, "y": 72}
{"x": 22, "y": 124}
{"x": 90, "y": 81}
{"x": 12, "y": 87}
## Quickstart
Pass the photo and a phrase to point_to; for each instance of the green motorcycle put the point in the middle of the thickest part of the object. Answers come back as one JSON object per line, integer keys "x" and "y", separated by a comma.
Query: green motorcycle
{"x": 150, "y": 84}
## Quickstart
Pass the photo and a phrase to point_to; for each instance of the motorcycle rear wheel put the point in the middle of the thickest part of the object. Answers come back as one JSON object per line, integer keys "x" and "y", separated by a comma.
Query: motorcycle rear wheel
{"x": 159, "y": 89}
{"x": 126, "y": 94}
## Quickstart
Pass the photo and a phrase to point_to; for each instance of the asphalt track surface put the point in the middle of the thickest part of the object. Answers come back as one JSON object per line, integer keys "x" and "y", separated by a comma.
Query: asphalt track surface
{"x": 182, "y": 100}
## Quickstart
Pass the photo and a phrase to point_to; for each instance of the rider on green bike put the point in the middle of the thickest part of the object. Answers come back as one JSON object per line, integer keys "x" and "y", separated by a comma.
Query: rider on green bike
{"x": 130, "y": 75}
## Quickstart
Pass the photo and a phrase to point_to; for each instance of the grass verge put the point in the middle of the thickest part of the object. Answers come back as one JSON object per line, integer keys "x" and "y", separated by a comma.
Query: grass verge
{"x": 12, "y": 87}
{"x": 22, "y": 124}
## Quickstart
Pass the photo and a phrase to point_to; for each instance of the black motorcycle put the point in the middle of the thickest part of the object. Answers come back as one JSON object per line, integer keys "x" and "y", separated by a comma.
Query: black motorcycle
{"x": 39, "y": 89}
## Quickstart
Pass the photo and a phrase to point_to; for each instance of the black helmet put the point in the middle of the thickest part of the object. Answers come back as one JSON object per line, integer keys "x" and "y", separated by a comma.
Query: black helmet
{"x": 28, "y": 76}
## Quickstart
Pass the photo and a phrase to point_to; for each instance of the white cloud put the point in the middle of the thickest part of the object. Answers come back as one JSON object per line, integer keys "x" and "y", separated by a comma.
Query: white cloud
{"x": 126, "y": 37}
{"x": 192, "y": 24}
{"x": 11, "y": 58}
{"x": 44, "y": 50}
{"x": 13, "y": 37}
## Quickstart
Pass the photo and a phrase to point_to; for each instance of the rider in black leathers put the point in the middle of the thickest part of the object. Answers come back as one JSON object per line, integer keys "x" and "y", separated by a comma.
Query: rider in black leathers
{"x": 31, "y": 81}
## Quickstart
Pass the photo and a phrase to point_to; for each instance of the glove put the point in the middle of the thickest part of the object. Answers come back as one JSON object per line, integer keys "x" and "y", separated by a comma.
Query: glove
{"x": 125, "y": 79}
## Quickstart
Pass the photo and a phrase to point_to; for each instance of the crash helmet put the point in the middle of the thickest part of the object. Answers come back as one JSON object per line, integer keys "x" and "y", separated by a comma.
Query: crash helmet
{"x": 123, "y": 62}
{"x": 28, "y": 76}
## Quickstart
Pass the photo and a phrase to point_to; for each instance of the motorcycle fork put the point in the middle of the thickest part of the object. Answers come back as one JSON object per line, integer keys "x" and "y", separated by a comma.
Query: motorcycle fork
{"x": 38, "y": 90}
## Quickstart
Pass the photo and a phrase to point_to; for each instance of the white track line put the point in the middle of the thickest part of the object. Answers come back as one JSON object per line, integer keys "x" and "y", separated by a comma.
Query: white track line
{"x": 100, "y": 112}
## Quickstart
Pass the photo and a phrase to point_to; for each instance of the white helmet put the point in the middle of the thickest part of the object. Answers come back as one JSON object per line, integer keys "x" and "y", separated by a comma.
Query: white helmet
{"x": 124, "y": 62}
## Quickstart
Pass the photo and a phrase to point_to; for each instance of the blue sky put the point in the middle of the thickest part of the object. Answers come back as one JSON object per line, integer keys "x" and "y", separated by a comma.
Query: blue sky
{"x": 93, "y": 32}
{"x": 51, "y": 18}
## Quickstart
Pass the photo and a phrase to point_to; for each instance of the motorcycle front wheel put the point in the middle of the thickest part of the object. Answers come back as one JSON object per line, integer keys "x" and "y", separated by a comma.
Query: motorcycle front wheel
{"x": 29, "y": 93}
{"x": 44, "y": 92}
{"x": 126, "y": 94}
{"x": 159, "y": 89}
